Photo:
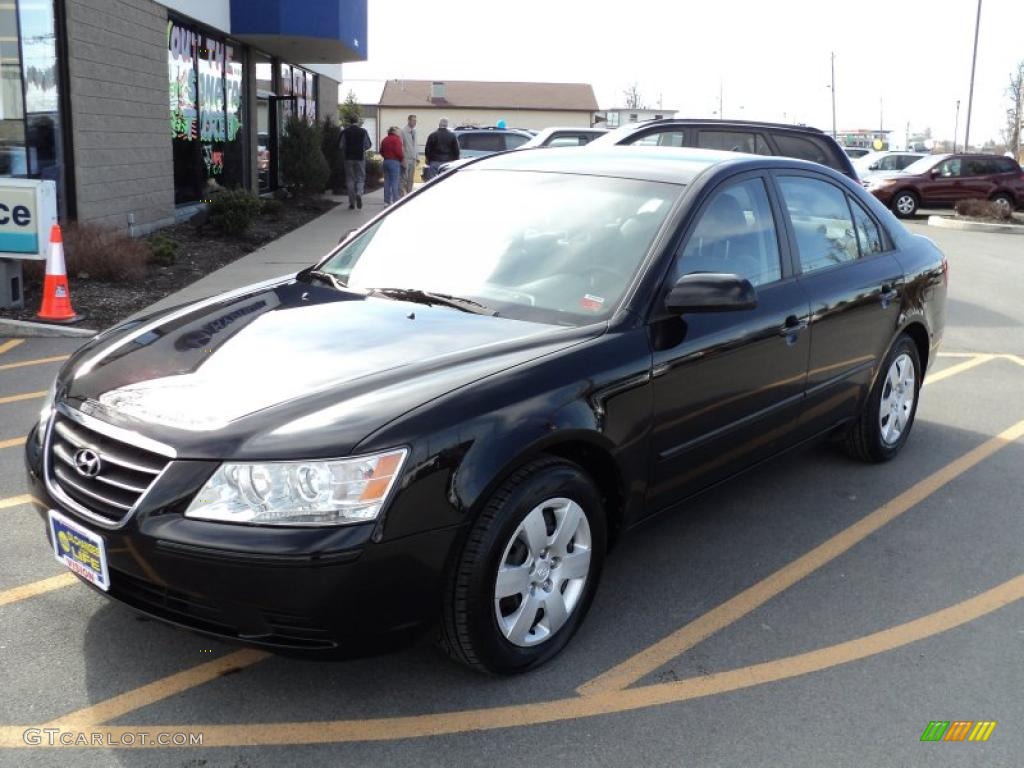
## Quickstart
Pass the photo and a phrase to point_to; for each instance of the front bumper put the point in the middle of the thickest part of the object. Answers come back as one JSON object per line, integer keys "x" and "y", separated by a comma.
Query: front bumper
{"x": 298, "y": 589}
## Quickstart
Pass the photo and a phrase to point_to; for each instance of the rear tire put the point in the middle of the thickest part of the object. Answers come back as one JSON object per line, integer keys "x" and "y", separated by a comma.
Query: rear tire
{"x": 1003, "y": 199}
{"x": 528, "y": 570}
{"x": 884, "y": 423}
{"x": 904, "y": 204}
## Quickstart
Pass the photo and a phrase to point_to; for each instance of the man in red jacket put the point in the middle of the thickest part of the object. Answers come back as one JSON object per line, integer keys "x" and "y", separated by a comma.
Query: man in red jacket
{"x": 392, "y": 152}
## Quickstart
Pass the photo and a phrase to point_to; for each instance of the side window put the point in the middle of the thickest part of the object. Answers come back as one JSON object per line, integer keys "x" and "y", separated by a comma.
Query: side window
{"x": 513, "y": 140}
{"x": 1006, "y": 165}
{"x": 564, "y": 141}
{"x": 950, "y": 168}
{"x": 660, "y": 139}
{"x": 801, "y": 148}
{"x": 889, "y": 163}
{"x": 735, "y": 234}
{"x": 905, "y": 160}
{"x": 482, "y": 142}
{"x": 730, "y": 141}
{"x": 821, "y": 221}
{"x": 867, "y": 231}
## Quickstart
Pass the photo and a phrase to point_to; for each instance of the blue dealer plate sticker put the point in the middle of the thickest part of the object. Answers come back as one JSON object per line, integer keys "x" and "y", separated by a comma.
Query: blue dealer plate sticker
{"x": 80, "y": 550}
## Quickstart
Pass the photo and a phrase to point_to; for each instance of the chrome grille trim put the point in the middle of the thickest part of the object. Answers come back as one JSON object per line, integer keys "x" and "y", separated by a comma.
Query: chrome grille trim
{"x": 55, "y": 476}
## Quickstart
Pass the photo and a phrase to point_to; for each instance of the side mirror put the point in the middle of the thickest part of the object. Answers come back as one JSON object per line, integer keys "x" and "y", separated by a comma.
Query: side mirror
{"x": 873, "y": 167}
{"x": 934, "y": 172}
{"x": 710, "y": 292}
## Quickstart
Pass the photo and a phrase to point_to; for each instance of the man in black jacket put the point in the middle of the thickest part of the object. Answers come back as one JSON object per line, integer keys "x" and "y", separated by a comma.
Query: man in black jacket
{"x": 354, "y": 143}
{"x": 442, "y": 147}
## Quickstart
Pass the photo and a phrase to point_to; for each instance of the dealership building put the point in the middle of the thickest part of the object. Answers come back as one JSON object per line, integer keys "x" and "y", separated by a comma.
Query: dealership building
{"x": 138, "y": 110}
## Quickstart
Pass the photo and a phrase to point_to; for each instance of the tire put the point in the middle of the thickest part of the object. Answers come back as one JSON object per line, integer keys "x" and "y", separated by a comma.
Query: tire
{"x": 501, "y": 635}
{"x": 904, "y": 204}
{"x": 884, "y": 424}
{"x": 1004, "y": 199}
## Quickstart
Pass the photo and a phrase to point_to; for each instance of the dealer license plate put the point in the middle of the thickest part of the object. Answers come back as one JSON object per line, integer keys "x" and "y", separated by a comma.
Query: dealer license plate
{"x": 80, "y": 550}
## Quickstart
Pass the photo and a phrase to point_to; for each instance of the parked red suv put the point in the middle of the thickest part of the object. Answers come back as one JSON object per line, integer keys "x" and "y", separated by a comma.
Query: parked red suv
{"x": 941, "y": 180}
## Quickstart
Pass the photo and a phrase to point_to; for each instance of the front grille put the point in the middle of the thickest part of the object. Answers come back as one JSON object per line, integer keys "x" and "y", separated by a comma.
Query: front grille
{"x": 126, "y": 471}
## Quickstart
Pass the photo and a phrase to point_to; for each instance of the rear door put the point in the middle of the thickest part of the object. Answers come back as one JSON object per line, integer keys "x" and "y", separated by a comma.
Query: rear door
{"x": 978, "y": 177}
{"x": 728, "y": 386}
{"x": 854, "y": 282}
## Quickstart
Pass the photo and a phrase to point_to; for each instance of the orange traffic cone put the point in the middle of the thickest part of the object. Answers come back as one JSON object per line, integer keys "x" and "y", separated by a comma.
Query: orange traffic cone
{"x": 56, "y": 305}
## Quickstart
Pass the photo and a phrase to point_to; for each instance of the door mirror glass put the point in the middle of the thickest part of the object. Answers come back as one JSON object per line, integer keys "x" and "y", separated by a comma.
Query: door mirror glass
{"x": 710, "y": 292}
{"x": 934, "y": 172}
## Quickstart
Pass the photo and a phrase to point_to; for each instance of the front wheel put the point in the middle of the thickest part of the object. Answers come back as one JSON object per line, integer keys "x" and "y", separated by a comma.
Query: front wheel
{"x": 884, "y": 424}
{"x": 528, "y": 570}
{"x": 904, "y": 204}
{"x": 1005, "y": 202}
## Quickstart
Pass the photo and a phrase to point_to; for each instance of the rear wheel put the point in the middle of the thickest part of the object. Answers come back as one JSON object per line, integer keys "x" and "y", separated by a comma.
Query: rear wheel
{"x": 1004, "y": 201}
{"x": 528, "y": 570}
{"x": 904, "y": 204}
{"x": 884, "y": 424}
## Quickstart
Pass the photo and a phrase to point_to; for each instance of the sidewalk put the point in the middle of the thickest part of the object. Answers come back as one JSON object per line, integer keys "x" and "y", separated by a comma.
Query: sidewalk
{"x": 286, "y": 255}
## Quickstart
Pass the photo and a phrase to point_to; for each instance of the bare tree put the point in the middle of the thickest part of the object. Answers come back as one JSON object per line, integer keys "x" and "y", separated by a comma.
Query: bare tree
{"x": 1014, "y": 115}
{"x": 633, "y": 98}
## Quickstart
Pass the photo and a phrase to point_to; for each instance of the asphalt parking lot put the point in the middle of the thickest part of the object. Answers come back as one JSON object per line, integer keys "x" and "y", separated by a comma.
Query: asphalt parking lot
{"x": 819, "y": 612}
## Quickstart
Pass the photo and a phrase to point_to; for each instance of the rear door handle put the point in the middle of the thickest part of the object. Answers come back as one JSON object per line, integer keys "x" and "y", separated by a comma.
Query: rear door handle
{"x": 793, "y": 326}
{"x": 889, "y": 292}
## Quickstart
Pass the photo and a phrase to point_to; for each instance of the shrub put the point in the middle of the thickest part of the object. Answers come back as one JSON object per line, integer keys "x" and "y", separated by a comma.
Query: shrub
{"x": 331, "y": 145}
{"x": 374, "y": 167}
{"x": 234, "y": 211}
{"x": 101, "y": 253}
{"x": 272, "y": 208}
{"x": 302, "y": 157}
{"x": 164, "y": 251}
{"x": 982, "y": 209}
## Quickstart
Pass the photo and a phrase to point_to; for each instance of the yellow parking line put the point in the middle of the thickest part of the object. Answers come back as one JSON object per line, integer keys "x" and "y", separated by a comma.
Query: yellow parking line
{"x": 23, "y": 396}
{"x": 39, "y": 361}
{"x": 35, "y": 588}
{"x": 7, "y": 346}
{"x": 559, "y": 710}
{"x": 17, "y": 501}
{"x": 953, "y": 370}
{"x": 12, "y": 443}
{"x": 162, "y": 688}
{"x": 666, "y": 649}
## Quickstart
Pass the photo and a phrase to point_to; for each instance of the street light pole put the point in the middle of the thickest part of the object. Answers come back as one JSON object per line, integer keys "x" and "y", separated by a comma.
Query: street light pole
{"x": 834, "y": 92}
{"x": 956, "y": 124}
{"x": 970, "y": 93}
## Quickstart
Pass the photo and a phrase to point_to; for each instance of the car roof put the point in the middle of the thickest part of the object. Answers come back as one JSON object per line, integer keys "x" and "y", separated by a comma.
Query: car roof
{"x": 675, "y": 165}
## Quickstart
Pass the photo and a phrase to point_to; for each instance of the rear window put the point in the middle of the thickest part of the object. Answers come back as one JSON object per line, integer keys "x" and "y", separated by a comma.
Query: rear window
{"x": 674, "y": 138}
{"x": 1006, "y": 165}
{"x": 803, "y": 149}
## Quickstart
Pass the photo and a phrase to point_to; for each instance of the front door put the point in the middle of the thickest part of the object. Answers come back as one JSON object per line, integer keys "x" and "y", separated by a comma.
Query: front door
{"x": 944, "y": 187}
{"x": 854, "y": 283}
{"x": 727, "y": 386}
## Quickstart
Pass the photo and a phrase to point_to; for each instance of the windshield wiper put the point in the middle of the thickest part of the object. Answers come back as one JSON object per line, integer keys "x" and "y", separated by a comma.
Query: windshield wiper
{"x": 323, "y": 276}
{"x": 431, "y": 298}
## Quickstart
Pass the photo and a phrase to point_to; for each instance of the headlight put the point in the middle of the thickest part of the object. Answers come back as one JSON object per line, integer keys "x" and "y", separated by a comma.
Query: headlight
{"x": 299, "y": 492}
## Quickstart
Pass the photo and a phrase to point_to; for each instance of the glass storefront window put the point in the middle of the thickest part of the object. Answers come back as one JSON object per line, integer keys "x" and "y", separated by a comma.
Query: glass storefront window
{"x": 206, "y": 112}
{"x": 13, "y": 156}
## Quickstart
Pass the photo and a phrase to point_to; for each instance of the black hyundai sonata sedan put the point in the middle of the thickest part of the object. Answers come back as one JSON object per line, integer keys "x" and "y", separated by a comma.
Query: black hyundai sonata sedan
{"x": 448, "y": 421}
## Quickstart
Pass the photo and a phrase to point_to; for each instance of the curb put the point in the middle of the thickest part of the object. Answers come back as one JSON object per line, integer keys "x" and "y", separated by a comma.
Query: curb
{"x": 28, "y": 330}
{"x": 944, "y": 222}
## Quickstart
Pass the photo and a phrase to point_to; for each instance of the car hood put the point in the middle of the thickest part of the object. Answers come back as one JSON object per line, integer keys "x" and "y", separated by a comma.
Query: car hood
{"x": 291, "y": 368}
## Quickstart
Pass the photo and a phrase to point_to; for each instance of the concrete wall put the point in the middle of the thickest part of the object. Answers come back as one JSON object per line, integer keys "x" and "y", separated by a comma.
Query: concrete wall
{"x": 427, "y": 119}
{"x": 327, "y": 98}
{"x": 117, "y": 61}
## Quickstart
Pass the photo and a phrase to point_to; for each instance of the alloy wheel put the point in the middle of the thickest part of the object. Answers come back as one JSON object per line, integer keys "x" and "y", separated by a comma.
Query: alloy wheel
{"x": 905, "y": 205}
{"x": 897, "y": 401}
{"x": 542, "y": 572}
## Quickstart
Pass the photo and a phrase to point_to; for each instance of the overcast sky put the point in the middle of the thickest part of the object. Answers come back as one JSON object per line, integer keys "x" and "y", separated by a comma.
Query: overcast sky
{"x": 771, "y": 57}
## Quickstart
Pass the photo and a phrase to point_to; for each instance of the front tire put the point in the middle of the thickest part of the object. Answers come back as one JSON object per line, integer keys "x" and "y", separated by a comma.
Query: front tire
{"x": 1004, "y": 201}
{"x": 884, "y": 424}
{"x": 528, "y": 570}
{"x": 904, "y": 204}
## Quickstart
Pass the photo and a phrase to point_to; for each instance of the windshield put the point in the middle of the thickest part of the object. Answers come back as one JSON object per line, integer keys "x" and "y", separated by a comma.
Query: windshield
{"x": 549, "y": 247}
{"x": 923, "y": 165}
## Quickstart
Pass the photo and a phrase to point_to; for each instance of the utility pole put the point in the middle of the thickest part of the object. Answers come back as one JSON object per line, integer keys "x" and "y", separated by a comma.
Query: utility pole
{"x": 721, "y": 114}
{"x": 834, "y": 133}
{"x": 970, "y": 93}
{"x": 881, "y": 119}
{"x": 956, "y": 124}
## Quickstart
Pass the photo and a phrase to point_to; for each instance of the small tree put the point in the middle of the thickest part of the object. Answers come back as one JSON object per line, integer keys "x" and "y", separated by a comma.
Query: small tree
{"x": 349, "y": 110}
{"x": 303, "y": 163}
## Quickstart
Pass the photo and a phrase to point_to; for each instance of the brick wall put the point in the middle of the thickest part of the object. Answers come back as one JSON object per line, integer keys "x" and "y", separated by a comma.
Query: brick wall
{"x": 117, "y": 62}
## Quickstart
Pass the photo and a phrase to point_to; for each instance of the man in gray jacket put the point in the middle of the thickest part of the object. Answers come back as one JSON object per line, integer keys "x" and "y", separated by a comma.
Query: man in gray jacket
{"x": 409, "y": 149}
